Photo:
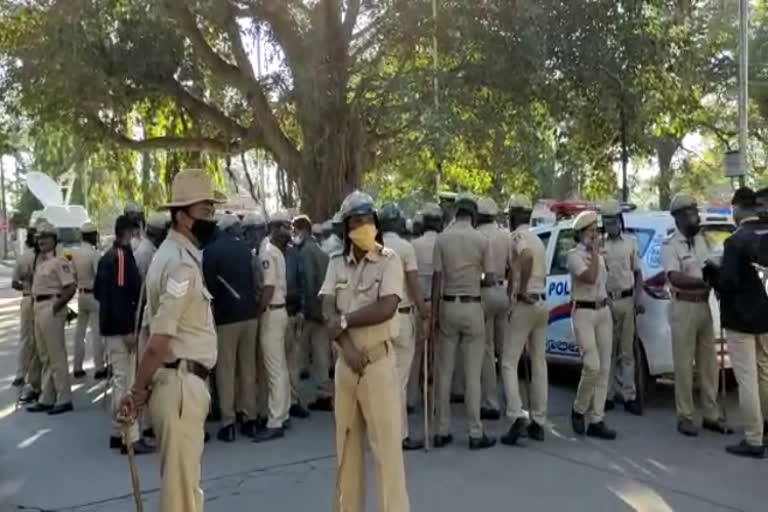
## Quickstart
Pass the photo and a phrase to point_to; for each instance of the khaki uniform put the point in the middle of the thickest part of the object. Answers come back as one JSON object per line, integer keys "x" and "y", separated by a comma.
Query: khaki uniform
{"x": 462, "y": 255}
{"x": 693, "y": 338}
{"x": 621, "y": 260}
{"x": 28, "y": 366}
{"x": 404, "y": 343}
{"x": 424, "y": 247}
{"x": 593, "y": 329}
{"x": 528, "y": 329}
{"x": 368, "y": 403}
{"x": 179, "y": 306}
{"x": 273, "y": 327}
{"x": 496, "y": 307}
{"x": 749, "y": 359}
{"x": 122, "y": 357}
{"x": 143, "y": 256}
{"x": 85, "y": 259}
{"x": 51, "y": 275}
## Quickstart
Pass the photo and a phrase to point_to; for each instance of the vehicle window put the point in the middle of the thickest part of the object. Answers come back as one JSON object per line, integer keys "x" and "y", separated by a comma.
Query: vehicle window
{"x": 565, "y": 243}
{"x": 643, "y": 237}
{"x": 544, "y": 237}
{"x": 715, "y": 235}
{"x": 68, "y": 235}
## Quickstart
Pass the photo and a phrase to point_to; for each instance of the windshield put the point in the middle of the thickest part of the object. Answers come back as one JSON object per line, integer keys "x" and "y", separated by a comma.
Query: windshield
{"x": 716, "y": 234}
{"x": 69, "y": 235}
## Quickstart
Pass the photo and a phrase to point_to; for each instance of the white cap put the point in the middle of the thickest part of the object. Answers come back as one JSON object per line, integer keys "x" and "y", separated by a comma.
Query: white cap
{"x": 519, "y": 202}
{"x": 584, "y": 219}
{"x": 227, "y": 221}
{"x": 253, "y": 219}
{"x": 487, "y": 206}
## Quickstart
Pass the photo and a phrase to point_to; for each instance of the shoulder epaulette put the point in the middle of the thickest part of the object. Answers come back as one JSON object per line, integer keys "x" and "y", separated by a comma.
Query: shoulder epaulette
{"x": 387, "y": 252}
{"x": 336, "y": 254}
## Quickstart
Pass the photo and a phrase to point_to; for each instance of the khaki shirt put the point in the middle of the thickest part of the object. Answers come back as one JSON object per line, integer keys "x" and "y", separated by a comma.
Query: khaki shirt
{"x": 622, "y": 260}
{"x": 273, "y": 268}
{"x": 523, "y": 239}
{"x": 52, "y": 273}
{"x": 358, "y": 284}
{"x": 579, "y": 260}
{"x": 143, "y": 256}
{"x": 24, "y": 270}
{"x": 407, "y": 255}
{"x": 178, "y": 304}
{"x": 462, "y": 254}
{"x": 678, "y": 256}
{"x": 499, "y": 244}
{"x": 85, "y": 260}
{"x": 424, "y": 247}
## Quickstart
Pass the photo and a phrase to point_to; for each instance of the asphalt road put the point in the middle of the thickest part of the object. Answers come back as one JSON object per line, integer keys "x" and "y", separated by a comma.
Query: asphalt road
{"x": 63, "y": 463}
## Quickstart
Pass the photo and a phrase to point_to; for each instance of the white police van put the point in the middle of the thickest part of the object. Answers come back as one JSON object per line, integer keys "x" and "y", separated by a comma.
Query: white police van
{"x": 654, "y": 350}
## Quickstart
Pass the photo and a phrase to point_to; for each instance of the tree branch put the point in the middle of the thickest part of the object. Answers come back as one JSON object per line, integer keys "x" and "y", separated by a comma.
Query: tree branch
{"x": 284, "y": 28}
{"x": 350, "y": 19}
{"x": 233, "y": 30}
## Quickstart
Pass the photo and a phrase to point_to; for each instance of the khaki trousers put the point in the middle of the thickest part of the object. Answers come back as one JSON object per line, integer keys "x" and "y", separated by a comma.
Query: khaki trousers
{"x": 496, "y": 307}
{"x": 749, "y": 360}
{"x": 29, "y": 362}
{"x": 122, "y": 355}
{"x": 693, "y": 344}
{"x": 593, "y": 330}
{"x": 292, "y": 354}
{"x": 50, "y": 340}
{"x": 88, "y": 320}
{"x": 236, "y": 368}
{"x": 404, "y": 346}
{"x": 462, "y": 326}
{"x": 369, "y": 404}
{"x": 622, "y": 380}
{"x": 316, "y": 336}
{"x": 528, "y": 329}
{"x": 272, "y": 330}
{"x": 417, "y": 367}
{"x": 178, "y": 406}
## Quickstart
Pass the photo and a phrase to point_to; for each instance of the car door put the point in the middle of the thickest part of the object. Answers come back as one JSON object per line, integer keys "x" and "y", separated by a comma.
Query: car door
{"x": 561, "y": 346}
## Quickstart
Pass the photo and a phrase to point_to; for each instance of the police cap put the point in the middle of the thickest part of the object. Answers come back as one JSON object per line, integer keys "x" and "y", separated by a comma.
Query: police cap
{"x": 389, "y": 212}
{"x": 281, "y": 217}
{"x": 487, "y": 206}
{"x": 158, "y": 220}
{"x": 88, "y": 227}
{"x": 432, "y": 210}
{"x": 227, "y": 221}
{"x": 43, "y": 227}
{"x": 254, "y": 219}
{"x": 610, "y": 208}
{"x": 584, "y": 220}
{"x": 356, "y": 203}
{"x": 682, "y": 201}
{"x": 519, "y": 202}
{"x": 466, "y": 201}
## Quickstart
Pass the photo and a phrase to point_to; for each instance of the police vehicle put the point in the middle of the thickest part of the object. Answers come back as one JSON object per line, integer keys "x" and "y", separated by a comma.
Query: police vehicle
{"x": 654, "y": 350}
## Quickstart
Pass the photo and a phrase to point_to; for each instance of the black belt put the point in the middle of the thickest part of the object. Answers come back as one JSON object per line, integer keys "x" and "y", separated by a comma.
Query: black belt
{"x": 500, "y": 282}
{"x": 41, "y": 298}
{"x": 85, "y": 290}
{"x": 537, "y": 296}
{"x": 192, "y": 367}
{"x": 405, "y": 310}
{"x": 276, "y": 306}
{"x": 623, "y": 294}
{"x": 26, "y": 294}
{"x": 461, "y": 298}
{"x": 590, "y": 304}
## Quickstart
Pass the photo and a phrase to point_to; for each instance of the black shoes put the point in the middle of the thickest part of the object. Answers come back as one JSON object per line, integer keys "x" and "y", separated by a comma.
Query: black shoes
{"x": 101, "y": 374}
{"x": 687, "y": 428}
{"x": 39, "y": 407}
{"x": 115, "y": 442}
{"x": 322, "y": 404}
{"x": 744, "y": 449}
{"x": 515, "y": 431}
{"x": 609, "y": 405}
{"x": 226, "y": 434}
{"x": 18, "y": 382}
{"x": 61, "y": 409}
{"x": 79, "y": 374}
{"x": 412, "y": 444}
{"x": 298, "y": 411}
{"x": 601, "y": 431}
{"x": 249, "y": 428}
{"x": 139, "y": 448}
{"x": 439, "y": 440}
{"x": 719, "y": 426}
{"x": 149, "y": 433}
{"x": 268, "y": 434}
{"x": 633, "y": 407}
{"x": 481, "y": 443}
{"x": 535, "y": 431}
{"x": 489, "y": 414}
{"x": 409, "y": 409}
{"x": 29, "y": 397}
{"x": 577, "y": 423}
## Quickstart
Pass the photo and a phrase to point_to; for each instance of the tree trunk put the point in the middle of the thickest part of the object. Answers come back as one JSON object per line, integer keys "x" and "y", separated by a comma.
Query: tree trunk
{"x": 666, "y": 147}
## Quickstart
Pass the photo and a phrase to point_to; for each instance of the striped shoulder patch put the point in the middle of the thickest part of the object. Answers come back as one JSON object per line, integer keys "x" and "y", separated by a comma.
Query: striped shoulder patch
{"x": 177, "y": 289}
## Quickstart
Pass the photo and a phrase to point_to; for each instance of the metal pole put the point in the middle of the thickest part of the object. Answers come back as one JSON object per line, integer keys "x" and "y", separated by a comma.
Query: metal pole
{"x": 436, "y": 84}
{"x": 5, "y": 212}
{"x": 743, "y": 86}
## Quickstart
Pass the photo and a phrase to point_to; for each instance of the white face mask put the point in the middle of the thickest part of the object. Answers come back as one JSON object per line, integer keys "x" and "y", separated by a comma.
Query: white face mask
{"x": 135, "y": 243}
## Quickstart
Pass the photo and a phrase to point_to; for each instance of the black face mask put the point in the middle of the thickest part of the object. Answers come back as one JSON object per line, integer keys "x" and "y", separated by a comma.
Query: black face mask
{"x": 690, "y": 230}
{"x": 204, "y": 230}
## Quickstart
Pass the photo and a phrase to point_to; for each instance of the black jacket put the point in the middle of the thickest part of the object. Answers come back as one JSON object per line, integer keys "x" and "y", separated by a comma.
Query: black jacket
{"x": 743, "y": 299}
{"x": 117, "y": 288}
{"x": 227, "y": 268}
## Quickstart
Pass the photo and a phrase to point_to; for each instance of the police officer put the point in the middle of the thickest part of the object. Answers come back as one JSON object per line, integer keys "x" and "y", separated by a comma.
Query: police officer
{"x": 527, "y": 324}
{"x": 28, "y": 369}
{"x": 417, "y": 226}
{"x": 361, "y": 291}
{"x": 592, "y": 326}
{"x": 181, "y": 350}
{"x": 495, "y": 304}
{"x": 52, "y": 288}
{"x": 294, "y": 298}
{"x": 85, "y": 259}
{"x": 254, "y": 230}
{"x": 462, "y": 255}
{"x": 273, "y": 326}
{"x": 136, "y": 215}
{"x": 404, "y": 344}
{"x": 424, "y": 247}
{"x": 624, "y": 285}
{"x": 332, "y": 243}
{"x": 315, "y": 263}
{"x": 690, "y": 319}
{"x": 155, "y": 233}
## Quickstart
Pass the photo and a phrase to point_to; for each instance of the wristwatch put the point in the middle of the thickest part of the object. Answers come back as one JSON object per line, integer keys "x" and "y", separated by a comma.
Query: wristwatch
{"x": 343, "y": 322}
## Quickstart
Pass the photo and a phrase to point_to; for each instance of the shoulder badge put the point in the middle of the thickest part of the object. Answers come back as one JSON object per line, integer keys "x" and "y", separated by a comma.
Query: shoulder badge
{"x": 176, "y": 288}
{"x": 65, "y": 267}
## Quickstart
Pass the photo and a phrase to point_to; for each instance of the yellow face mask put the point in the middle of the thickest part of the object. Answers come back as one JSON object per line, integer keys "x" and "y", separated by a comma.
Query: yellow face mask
{"x": 364, "y": 237}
